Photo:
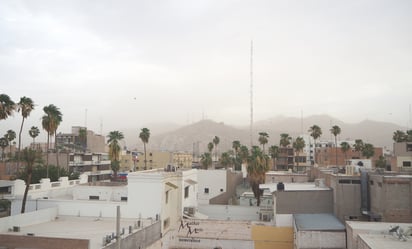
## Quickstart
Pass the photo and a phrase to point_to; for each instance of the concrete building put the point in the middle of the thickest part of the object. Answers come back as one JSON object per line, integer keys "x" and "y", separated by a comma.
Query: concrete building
{"x": 375, "y": 235}
{"x": 285, "y": 176}
{"x": 403, "y": 157}
{"x": 326, "y": 156}
{"x": 75, "y": 142}
{"x": 97, "y": 166}
{"x": 318, "y": 231}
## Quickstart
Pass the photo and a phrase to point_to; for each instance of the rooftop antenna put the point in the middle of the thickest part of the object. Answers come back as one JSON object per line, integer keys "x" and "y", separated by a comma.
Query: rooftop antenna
{"x": 251, "y": 93}
{"x": 85, "y": 118}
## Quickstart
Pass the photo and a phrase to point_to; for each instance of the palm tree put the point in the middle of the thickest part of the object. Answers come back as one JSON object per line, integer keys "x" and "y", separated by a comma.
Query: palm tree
{"x": 144, "y": 136}
{"x": 3, "y": 144}
{"x": 29, "y": 156}
{"x": 315, "y": 132}
{"x": 206, "y": 160}
{"x": 368, "y": 150}
{"x": 50, "y": 122}
{"x": 335, "y": 130}
{"x": 243, "y": 153}
{"x": 263, "y": 139}
{"x": 298, "y": 145}
{"x": 358, "y": 146}
{"x": 225, "y": 160}
{"x": 216, "y": 141}
{"x": 274, "y": 154}
{"x": 25, "y": 106}
{"x": 345, "y": 147}
{"x": 399, "y": 136}
{"x": 258, "y": 165}
{"x": 7, "y": 106}
{"x": 83, "y": 138}
{"x": 34, "y": 132}
{"x": 285, "y": 140}
{"x": 236, "y": 147}
{"x": 114, "y": 138}
{"x": 10, "y": 136}
{"x": 210, "y": 147}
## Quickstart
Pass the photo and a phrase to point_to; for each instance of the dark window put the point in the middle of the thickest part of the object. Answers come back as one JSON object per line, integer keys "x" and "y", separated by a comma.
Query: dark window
{"x": 93, "y": 197}
{"x": 355, "y": 181}
{"x": 206, "y": 190}
{"x": 344, "y": 181}
{"x": 221, "y": 190}
{"x": 406, "y": 163}
{"x": 186, "y": 191}
{"x": 371, "y": 182}
{"x": 123, "y": 198}
{"x": 150, "y": 154}
{"x": 167, "y": 197}
{"x": 408, "y": 147}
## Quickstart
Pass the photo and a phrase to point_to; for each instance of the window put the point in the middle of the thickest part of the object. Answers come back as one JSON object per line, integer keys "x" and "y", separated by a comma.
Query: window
{"x": 93, "y": 197}
{"x": 123, "y": 198}
{"x": 167, "y": 197}
{"x": 166, "y": 223}
{"x": 206, "y": 190}
{"x": 187, "y": 192}
{"x": 406, "y": 164}
{"x": 221, "y": 190}
{"x": 408, "y": 147}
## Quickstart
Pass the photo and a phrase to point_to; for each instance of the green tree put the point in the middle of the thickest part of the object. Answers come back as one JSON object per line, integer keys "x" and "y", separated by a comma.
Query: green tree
{"x": 34, "y": 132}
{"x": 29, "y": 156}
{"x": 243, "y": 153}
{"x": 315, "y": 132}
{"x": 206, "y": 160}
{"x": 258, "y": 165}
{"x": 10, "y": 135}
{"x": 144, "y": 136}
{"x": 345, "y": 147}
{"x": 3, "y": 144}
{"x": 381, "y": 162}
{"x": 368, "y": 150}
{"x": 216, "y": 141}
{"x": 263, "y": 139}
{"x": 358, "y": 146}
{"x": 7, "y": 106}
{"x": 399, "y": 136}
{"x": 298, "y": 145}
{"x": 25, "y": 107}
{"x": 50, "y": 122}
{"x": 285, "y": 140}
{"x": 210, "y": 147}
{"x": 114, "y": 138}
{"x": 274, "y": 154}
{"x": 236, "y": 147}
{"x": 335, "y": 130}
{"x": 226, "y": 160}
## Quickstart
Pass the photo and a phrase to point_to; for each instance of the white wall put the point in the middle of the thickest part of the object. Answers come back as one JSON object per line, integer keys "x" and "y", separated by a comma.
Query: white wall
{"x": 320, "y": 239}
{"x": 191, "y": 180}
{"x": 27, "y": 219}
{"x": 214, "y": 180}
{"x": 105, "y": 193}
{"x": 229, "y": 212}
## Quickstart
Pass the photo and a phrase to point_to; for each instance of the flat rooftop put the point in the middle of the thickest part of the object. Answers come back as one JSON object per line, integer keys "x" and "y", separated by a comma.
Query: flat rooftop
{"x": 90, "y": 228}
{"x": 379, "y": 241}
{"x": 318, "y": 222}
{"x": 310, "y": 186}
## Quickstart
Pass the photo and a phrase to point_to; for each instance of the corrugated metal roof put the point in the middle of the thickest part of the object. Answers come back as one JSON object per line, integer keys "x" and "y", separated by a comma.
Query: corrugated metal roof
{"x": 317, "y": 222}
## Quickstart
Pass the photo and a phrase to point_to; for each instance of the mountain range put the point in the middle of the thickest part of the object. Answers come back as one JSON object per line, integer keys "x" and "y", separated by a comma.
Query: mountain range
{"x": 196, "y": 136}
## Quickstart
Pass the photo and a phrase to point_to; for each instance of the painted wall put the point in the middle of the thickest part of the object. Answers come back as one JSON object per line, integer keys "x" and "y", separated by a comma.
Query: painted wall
{"x": 268, "y": 237}
{"x": 212, "y": 180}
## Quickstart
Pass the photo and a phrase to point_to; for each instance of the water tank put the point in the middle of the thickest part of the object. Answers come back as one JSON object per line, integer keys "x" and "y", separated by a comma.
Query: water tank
{"x": 280, "y": 186}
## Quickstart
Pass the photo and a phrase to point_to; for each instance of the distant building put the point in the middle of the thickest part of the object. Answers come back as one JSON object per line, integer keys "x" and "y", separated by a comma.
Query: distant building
{"x": 163, "y": 159}
{"x": 97, "y": 166}
{"x": 403, "y": 156}
{"x": 81, "y": 140}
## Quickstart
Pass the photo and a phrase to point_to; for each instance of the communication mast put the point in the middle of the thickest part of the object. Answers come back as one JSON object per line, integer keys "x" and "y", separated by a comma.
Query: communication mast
{"x": 251, "y": 93}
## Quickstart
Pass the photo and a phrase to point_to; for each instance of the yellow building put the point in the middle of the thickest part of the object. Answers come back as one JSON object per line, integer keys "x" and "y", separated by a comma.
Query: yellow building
{"x": 162, "y": 159}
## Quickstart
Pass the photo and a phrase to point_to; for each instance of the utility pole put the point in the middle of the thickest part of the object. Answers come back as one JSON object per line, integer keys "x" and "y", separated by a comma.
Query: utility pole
{"x": 251, "y": 93}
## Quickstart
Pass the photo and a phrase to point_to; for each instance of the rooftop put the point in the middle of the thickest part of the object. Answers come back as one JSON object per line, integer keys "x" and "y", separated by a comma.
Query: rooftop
{"x": 91, "y": 228}
{"x": 318, "y": 222}
{"x": 310, "y": 186}
{"x": 379, "y": 241}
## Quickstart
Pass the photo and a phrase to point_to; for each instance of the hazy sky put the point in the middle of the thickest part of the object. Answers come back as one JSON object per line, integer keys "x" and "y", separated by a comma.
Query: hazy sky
{"x": 132, "y": 63}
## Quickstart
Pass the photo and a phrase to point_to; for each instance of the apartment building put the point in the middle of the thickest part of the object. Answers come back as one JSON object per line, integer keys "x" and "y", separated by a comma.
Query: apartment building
{"x": 81, "y": 140}
{"x": 403, "y": 156}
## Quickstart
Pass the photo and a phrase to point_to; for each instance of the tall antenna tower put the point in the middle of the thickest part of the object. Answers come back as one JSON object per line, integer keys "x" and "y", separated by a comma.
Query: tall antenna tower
{"x": 251, "y": 93}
